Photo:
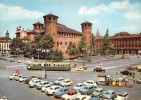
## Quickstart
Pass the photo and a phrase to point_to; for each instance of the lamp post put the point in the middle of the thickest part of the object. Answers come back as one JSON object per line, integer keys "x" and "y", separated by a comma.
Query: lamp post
{"x": 17, "y": 50}
{"x": 45, "y": 51}
{"x": 38, "y": 50}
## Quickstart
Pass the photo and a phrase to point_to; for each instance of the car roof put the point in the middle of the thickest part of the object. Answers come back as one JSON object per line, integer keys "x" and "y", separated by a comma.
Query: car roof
{"x": 60, "y": 78}
{"x": 67, "y": 80}
{"x": 64, "y": 88}
{"x": 110, "y": 91}
{"x": 72, "y": 90}
{"x": 90, "y": 81}
{"x": 79, "y": 83}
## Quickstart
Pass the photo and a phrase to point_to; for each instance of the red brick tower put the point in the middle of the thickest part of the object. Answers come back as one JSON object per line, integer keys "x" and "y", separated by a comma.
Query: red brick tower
{"x": 50, "y": 22}
{"x": 87, "y": 30}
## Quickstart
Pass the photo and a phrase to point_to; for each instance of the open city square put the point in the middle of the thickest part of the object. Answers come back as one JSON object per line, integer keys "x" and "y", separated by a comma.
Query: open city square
{"x": 70, "y": 50}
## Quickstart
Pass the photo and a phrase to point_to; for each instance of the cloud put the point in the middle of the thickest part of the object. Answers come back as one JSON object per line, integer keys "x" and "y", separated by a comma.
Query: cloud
{"x": 120, "y": 5}
{"x": 16, "y": 12}
{"x": 135, "y": 15}
{"x": 94, "y": 10}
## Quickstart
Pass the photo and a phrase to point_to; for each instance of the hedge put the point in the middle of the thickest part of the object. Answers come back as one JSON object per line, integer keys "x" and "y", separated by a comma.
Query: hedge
{"x": 59, "y": 68}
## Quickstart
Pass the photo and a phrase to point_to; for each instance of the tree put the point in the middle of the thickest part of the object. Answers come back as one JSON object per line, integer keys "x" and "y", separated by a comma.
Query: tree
{"x": 46, "y": 42}
{"x": 92, "y": 43}
{"x": 82, "y": 44}
{"x": 16, "y": 43}
{"x": 108, "y": 48}
{"x": 71, "y": 49}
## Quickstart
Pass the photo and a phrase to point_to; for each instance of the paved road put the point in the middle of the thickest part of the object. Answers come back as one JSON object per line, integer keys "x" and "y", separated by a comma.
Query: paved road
{"x": 17, "y": 91}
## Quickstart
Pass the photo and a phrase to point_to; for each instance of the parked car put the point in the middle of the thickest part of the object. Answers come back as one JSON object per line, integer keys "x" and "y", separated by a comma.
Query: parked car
{"x": 99, "y": 69}
{"x": 98, "y": 92}
{"x": 109, "y": 94}
{"x": 58, "y": 81}
{"x": 3, "y": 98}
{"x": 60, "y": 92}
{"x": 88, "y": 89}
{"x": 30, "y": 78}
{"x": 79, "y": 69}
{"x": 90, "y": 82}
{"x": 82, "y": 97}
{"x": 12, "y": 76}
{"x": 126, "y": 72}
{"x": 45, "y": 87}
{"x": 41, "y": 84}
{"x": 21, "y": 79}
{"x": 66, "y": 82}
{"x": 122, "y": 96}
{"x": 79, "y": 86}
{"x": 70, "y": 95}
{"x": 18, "y": 77}
{"x": 33, "y": 82}
{"x": 52, "y": 90}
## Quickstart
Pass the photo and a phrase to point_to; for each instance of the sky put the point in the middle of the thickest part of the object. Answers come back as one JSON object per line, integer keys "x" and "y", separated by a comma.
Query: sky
{"x": 115, "y": 15}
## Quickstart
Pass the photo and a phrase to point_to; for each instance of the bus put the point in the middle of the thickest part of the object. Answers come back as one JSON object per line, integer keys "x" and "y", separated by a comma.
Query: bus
{"x": 51, "y": 66}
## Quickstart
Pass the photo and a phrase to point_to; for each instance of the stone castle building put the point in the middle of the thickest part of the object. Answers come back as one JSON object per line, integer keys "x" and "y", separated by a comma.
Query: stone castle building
{"x": 5, "y": 44}
{"x": 61, "y": 34}
{"x": 123, "y": 42}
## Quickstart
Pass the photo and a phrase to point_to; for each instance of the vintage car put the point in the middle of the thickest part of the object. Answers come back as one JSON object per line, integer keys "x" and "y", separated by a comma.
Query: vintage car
{"x": 79, "y": 86}
{"x": 122, "y": 96}
{"x": 66, "y": 82}
{"x": 45, "y": 87}
{"x": 98, "y": 92}
{"x": 109, "y": 94}
{"x": 52, "y": 90}
{"x": 82, "y": 97}
{"x": 88, "y": 89}
{"x": 90, "y": 82}
{"x": 60, "y": 92}
{"x": 126, "y": 72}
{"x": 79, "y": 69}
{"x": 58, "y": 81}
{"x": 70, "y": 95}
{"x": 99, "y": 69}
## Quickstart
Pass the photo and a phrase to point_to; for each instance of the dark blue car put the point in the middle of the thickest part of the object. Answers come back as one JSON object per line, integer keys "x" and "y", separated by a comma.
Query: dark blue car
{"x": 61, "y": 91}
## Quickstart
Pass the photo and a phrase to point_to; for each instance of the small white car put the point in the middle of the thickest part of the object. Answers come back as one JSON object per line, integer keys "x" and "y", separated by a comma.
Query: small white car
{"x": 52, "y": 90}
{"x": 33, "y": 82}
{"x": 71, "y": 95}
{"x": 12, "y": 76}
{"x": 21, "y": 79}
{"x": 66, "y": 82}
{"x": 90, "y": 82}
{"x": 45, "y": 87}
{"x": 122, "y": 96}
{"x": 79, "y": 69}
{"x": 78, "y": 86}
{"x": 58, "y": 81}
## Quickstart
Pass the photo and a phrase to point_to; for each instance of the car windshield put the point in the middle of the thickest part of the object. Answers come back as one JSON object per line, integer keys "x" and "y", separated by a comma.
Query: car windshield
{"x": 51, "y": 88}
{"x": 107, "y": 93}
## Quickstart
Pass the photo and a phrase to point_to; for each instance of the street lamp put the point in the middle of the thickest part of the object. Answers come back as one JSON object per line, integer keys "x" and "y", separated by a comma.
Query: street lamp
{"x": 45, "y": 51}
{"x": 38, "y": 50}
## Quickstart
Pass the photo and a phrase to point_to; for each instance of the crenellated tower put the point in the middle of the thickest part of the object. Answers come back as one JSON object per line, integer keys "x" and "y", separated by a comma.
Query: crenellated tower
{"x": 87, "y": 30}
{"x": 50, "y": 22}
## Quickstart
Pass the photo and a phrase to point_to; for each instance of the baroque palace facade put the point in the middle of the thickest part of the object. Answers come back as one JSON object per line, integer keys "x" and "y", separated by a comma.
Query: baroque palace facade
{"x": 5, "y": 44}
{"x": 123, "y": 42}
